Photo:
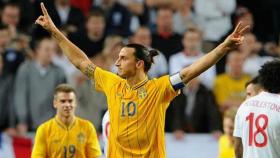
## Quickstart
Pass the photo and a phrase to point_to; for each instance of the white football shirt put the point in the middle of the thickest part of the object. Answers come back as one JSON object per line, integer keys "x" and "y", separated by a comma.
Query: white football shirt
{"x": 105, "y": 130}
{"x": 257, "y": 123}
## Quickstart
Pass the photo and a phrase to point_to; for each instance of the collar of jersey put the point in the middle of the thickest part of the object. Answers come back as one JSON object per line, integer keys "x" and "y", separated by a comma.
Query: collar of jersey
{"x": 139, "y": 84}
{"x": 62, "y": 125}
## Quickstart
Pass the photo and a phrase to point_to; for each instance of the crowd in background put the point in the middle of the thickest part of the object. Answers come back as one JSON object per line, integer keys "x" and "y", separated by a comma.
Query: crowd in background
{"x": 32, "y": 65}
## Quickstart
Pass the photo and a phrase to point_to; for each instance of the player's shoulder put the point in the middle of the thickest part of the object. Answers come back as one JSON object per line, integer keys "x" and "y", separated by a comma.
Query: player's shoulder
{"x": 46, "y": 126}
{"x": 99, "y": 70}
{"x": 251, "y": 100}
{"x": 164, "y": 78}
{"x": 83, "y": 123}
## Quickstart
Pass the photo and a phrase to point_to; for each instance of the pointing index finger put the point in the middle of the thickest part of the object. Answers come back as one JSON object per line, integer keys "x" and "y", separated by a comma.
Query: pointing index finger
{"x": 44, "y": 10}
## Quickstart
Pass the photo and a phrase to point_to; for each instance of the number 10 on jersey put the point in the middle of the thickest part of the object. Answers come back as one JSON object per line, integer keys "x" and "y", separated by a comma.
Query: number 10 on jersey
{"x": 260, "y": 129}
{"x": 128, "y": 109}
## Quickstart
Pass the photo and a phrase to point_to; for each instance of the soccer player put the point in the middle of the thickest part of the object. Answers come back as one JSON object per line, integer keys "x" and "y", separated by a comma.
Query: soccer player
{"x": 66, "y": 135}
{"x": 137, "y": 105}
{"x": 257, "y": 122}
{"x": 105, "y": 130}
{"x": 253, "y": 87}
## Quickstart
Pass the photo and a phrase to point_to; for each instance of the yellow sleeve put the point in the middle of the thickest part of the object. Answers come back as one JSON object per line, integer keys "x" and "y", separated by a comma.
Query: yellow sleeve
{"x": 92, "y": 148}
{"x": 39, "y": 148}
{"x": 104, "y": 80}
{"x": 167, "y": 89}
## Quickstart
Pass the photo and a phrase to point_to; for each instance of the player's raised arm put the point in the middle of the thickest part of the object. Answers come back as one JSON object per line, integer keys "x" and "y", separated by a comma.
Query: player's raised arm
{"x": 73, "y": 53}
{"x": 205, "y": 62}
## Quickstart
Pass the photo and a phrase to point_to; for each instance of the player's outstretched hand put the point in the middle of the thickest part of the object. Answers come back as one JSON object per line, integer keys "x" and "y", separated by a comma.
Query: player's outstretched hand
{"x": 237, "y": 36}
{"x": 45, "y": 20}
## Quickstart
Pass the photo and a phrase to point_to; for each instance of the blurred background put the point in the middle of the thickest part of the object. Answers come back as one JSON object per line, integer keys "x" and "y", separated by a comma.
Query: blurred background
{"x": 32, "y": 65}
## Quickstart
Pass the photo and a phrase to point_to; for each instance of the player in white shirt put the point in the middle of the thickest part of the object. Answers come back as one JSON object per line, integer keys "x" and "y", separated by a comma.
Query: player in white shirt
{"x": 257, "y": 122}
{"x": 105, "y": 130}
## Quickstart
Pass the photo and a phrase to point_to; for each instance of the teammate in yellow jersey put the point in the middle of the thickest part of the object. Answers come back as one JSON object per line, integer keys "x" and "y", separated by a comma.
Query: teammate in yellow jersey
{"x": 136, "y": 104}
{"x": 66, "y": 136}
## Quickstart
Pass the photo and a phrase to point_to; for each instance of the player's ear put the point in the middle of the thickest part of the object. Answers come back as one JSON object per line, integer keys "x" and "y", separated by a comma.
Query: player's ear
{"x": 139, "y": 64}
{"x": 54, "y": 103}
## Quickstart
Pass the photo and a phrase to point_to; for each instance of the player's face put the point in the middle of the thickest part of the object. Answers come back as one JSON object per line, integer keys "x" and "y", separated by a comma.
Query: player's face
{"x": 228, "y": 126}
{"x": 126, "y": 63}
{"x": 251, "y": 90}
{"x": 65, "y": 104}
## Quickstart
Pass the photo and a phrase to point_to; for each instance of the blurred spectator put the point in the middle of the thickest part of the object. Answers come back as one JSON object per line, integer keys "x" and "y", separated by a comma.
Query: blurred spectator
{"x": 165, "y": 39}
{"x": 184, "y": 17}
{"x": 67, "y": 16}
{"x": 265, "y": 12}
{"x": 5, "y": 37}
{"x": 229, "y": 87}
{"x": 10, "y": 49}
{"x": 92, "y": 103}
{"x": 112, "y": 46}
{"x": 272, "y": 49}
{"x": 64, "y": 16}
{"x": 63, "y": 62}
{"x": 243, "y": 14}
{"x": 6, "y": 94}
{"x": 191, "y": 52}
{"x": 34, "y": 85}
{"x": 226, "y": 141}
{"x": 118, "y": 17}
{"x": 160, "y": 66}
{"x": 10, "y": 16}
{"x": 140, "y": 13}
{"x": 91, "y": 40}
{"x": 214, "y": 18}
{"x": 83, "y": 5}
{"x": 193, "y": 114}
{"x": 252, "y": 49}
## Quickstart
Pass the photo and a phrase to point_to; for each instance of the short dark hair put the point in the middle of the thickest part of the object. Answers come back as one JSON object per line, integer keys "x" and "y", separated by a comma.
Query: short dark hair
{"x": 269, "y": 76}
{"x": 12, "y": 4}
{"x": 96, "y": 12}
{"x": 254, "y": 81}
{"x": 39, "y": 40}
{"x": 143, "y": 53}
{"x": 65, "y": 88}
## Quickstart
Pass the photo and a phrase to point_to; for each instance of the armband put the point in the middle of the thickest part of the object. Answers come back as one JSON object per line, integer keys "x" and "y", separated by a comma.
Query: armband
{"x": 176, "y": 81}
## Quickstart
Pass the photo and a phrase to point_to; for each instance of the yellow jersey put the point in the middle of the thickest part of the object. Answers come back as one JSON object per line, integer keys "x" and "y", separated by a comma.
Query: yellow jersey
{"x": 226, "y": 88}
{"x": 137, "y": 114}
{"x": 226, "y": 148}
{"x": 54, "y": 140}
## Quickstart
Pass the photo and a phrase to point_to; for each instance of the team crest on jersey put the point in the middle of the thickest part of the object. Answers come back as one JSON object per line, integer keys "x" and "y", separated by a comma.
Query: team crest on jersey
{"x": 81, "y": 137}
{"x": 142, "y": 93}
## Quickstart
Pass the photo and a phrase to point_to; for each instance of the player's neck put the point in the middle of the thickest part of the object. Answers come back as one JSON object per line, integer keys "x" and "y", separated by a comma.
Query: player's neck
{"x": 136, "y": 79}
{"x": 67, "y": 121}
